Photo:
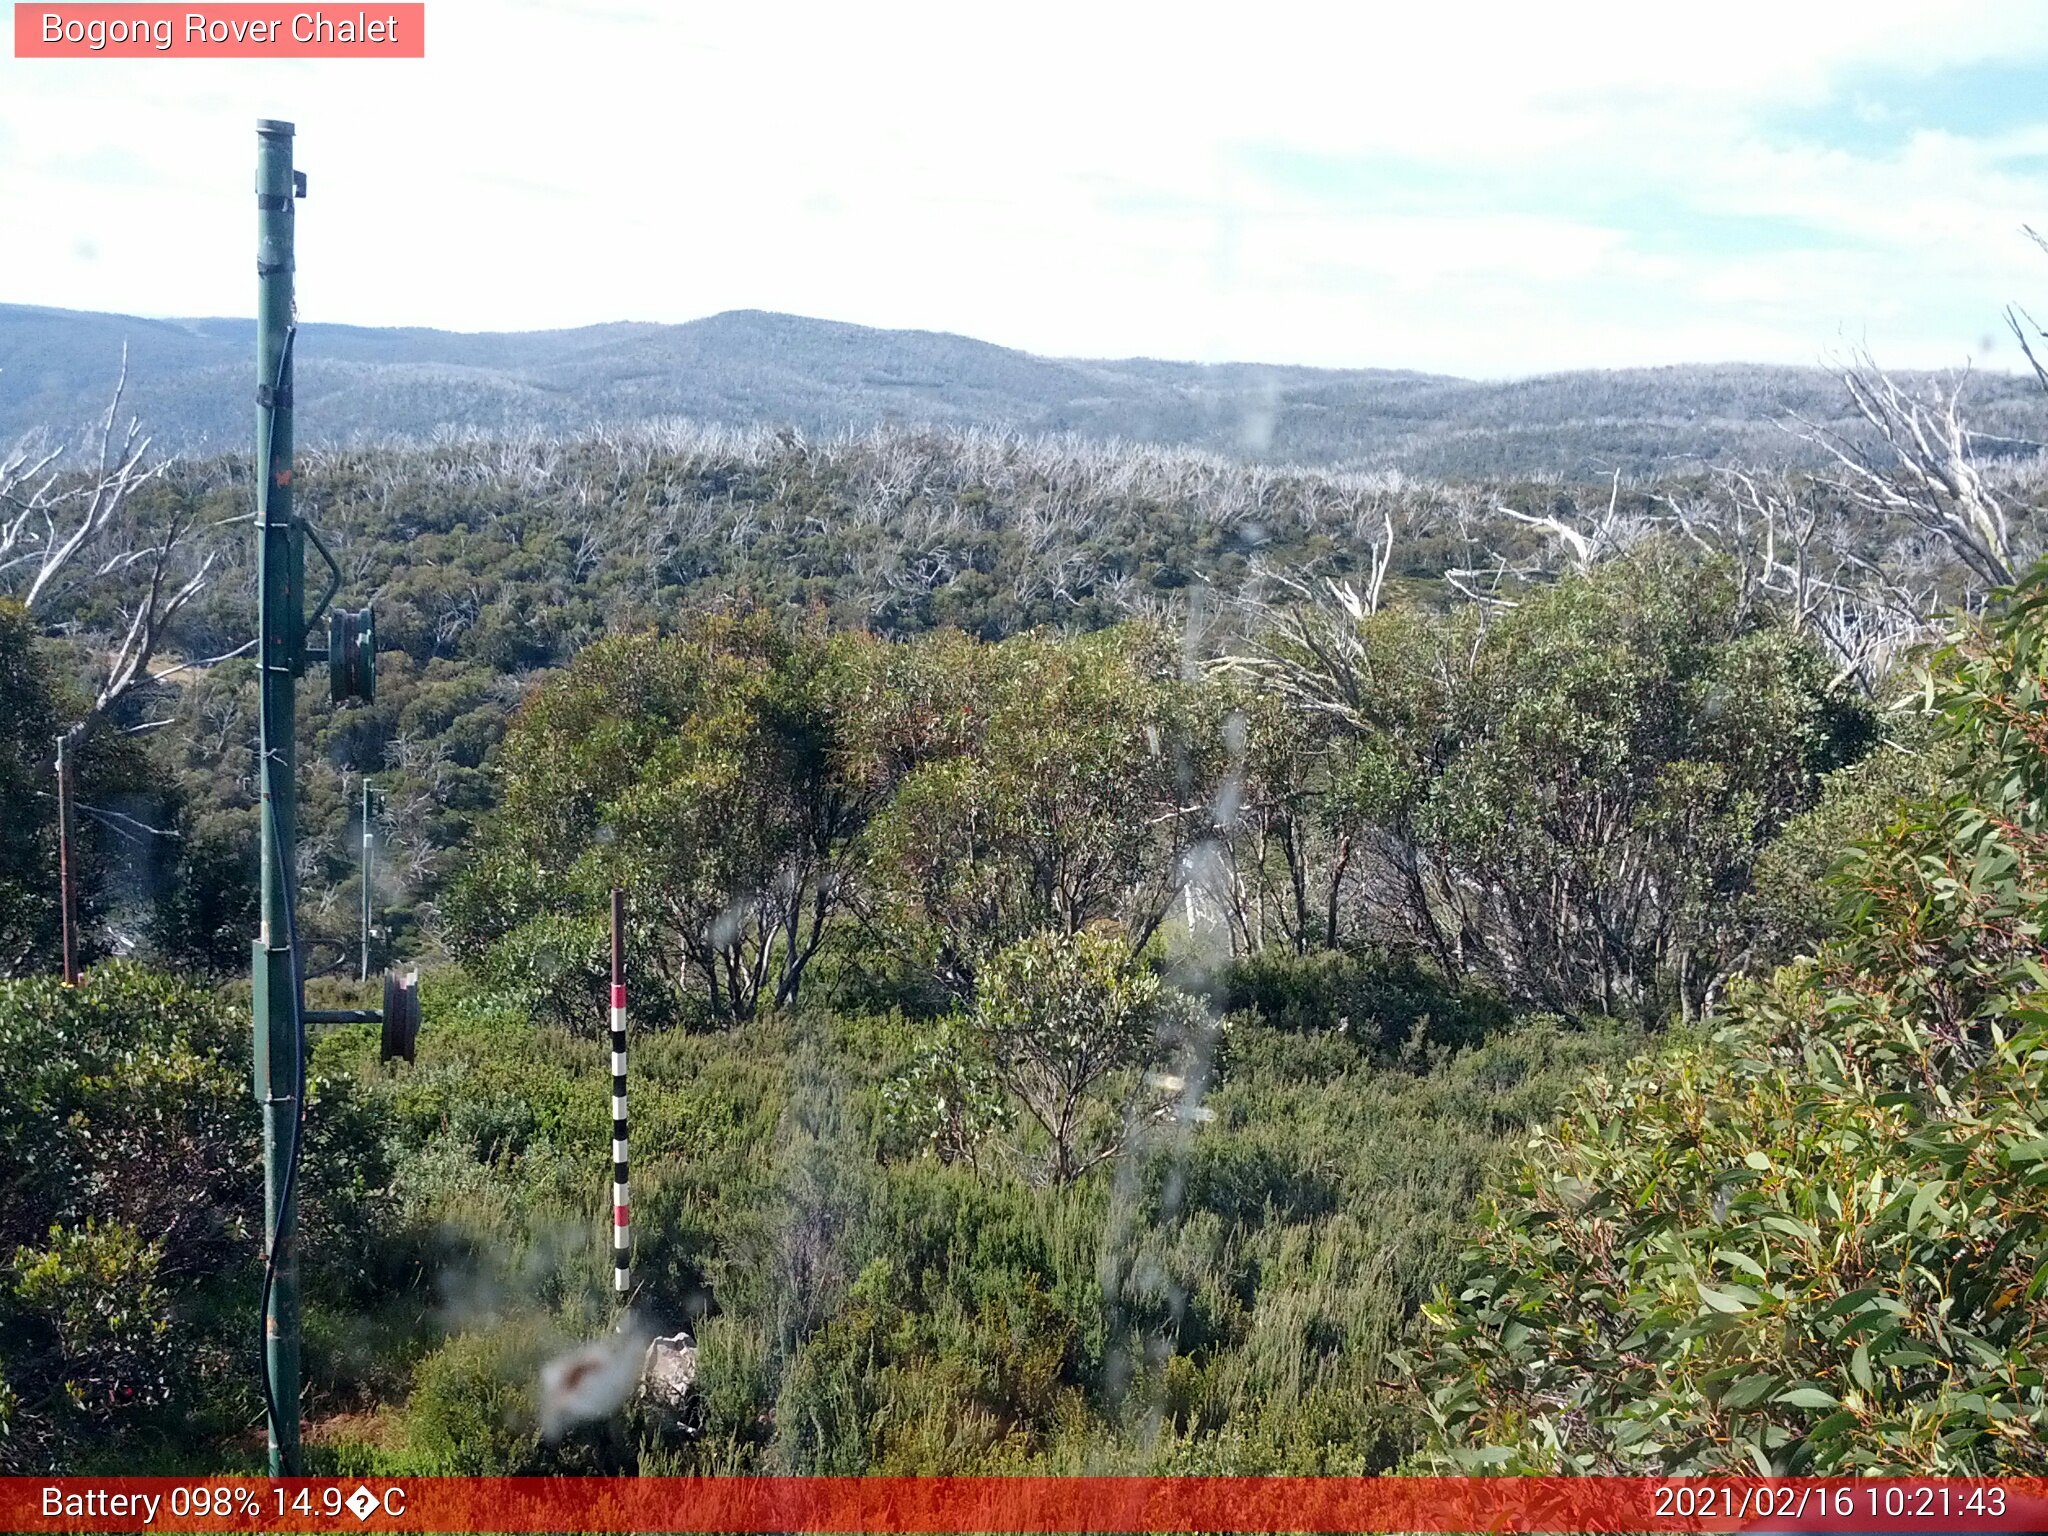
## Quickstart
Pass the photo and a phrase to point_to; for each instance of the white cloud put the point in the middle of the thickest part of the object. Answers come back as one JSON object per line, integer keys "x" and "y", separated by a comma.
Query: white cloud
{"x": 1069, "y": 178}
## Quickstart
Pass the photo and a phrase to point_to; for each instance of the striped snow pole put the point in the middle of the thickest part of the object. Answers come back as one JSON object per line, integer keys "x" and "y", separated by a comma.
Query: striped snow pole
{"x": 622, "y": 1228}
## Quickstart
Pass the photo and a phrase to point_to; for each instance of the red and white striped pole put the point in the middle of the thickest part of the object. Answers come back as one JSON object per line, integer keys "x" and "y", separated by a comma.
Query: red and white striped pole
{"x": 622, "y": 1229}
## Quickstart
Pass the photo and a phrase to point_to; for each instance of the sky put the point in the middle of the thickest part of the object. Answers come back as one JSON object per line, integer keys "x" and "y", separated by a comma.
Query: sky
{"x": 1487, "y": 190}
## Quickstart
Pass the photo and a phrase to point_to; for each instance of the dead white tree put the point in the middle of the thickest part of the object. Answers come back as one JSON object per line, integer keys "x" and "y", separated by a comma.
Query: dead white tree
{"x": 62, "y": 529}
{"x": 53, "y": 513}
{"x": 2020, "y": 323}
{"x": 1790, "y": 546}
{"x": 1922, "y": 470}
{"x": 1603, "y": 536}
{"x": 1311, "y": 648}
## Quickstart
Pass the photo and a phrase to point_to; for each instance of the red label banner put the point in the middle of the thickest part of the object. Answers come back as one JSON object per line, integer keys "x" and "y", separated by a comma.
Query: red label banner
{"x": 1024, "y": 1504}
{"x": 220, "y": 31}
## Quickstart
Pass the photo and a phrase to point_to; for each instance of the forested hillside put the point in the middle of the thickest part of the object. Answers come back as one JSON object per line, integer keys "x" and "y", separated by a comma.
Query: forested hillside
{"x": 1141, "y": 960}
{"x": 189, "y": 379}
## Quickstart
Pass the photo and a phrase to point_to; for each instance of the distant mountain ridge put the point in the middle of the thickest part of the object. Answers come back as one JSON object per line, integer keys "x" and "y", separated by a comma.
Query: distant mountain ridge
{"x": 191, "y": 382}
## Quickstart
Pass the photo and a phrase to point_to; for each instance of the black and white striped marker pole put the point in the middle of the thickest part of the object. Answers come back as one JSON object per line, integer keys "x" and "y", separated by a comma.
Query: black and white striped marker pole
{"x": 622, "y": 1225}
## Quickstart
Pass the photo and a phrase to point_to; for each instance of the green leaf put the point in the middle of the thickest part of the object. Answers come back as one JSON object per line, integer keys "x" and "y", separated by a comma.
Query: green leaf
{"x": 1927, "y": 1200}
{"x": 1833, "y": 1427}
{"x": 1741, "y": 1261}
{"x": 1790, "y": 1227}
{"x": 1852, "y": 1302}
{"x": 1725, "y": 1300}
{"x": 1750, "y": 1391}
{"x": 1808, "y": 1397}
{"x": 1489, "y": 1456}
{"x": 1859, "y": 1368}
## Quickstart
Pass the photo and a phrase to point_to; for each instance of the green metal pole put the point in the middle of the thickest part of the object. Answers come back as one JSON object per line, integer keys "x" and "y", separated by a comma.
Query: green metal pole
{"x": 280, "y": 626}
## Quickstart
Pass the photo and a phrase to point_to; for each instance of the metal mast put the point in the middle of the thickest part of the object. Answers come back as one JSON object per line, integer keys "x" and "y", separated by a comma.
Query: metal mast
{"x": 282, "y": 622}
{"x": 280, "y": 568}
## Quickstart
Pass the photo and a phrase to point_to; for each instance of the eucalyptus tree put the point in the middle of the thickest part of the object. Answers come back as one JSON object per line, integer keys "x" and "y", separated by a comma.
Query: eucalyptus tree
{"x": 1813, "y": 1242}
{"x": 1566, "y": 796}
{"x": 1083, "y": 780}
{"x": 711, "y": 776}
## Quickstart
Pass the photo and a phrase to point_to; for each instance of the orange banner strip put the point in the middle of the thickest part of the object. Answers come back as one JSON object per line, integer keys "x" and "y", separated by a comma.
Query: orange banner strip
{"x": 376, "y": 30}
{"x": 1024, "y": 1504}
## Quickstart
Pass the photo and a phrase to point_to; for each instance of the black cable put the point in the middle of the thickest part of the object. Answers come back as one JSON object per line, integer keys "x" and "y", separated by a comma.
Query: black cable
{"x": 291, "y": 938}
{"x": 291, "y": 1169}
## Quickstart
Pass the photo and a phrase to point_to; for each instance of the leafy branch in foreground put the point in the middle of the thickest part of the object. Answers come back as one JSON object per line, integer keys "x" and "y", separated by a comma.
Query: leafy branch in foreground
{"x": 1818, "y": 1241}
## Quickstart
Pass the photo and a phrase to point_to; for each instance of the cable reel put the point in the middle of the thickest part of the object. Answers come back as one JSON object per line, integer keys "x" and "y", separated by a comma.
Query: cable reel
{"x": 352, "y": 655}
{"x": 401, "y": 1015}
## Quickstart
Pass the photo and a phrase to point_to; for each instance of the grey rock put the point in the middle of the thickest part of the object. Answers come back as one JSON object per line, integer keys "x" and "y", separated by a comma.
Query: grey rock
{"x": 670, "y": 1370}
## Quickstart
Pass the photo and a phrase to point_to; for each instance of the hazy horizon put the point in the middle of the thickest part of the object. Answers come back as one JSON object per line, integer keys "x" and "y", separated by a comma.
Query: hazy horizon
{"x": 1822, "y": 361}
{"x": 1487, "y": 194}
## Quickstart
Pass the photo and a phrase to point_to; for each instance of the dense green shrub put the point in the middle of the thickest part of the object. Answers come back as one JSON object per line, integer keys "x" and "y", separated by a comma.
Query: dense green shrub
{"x": 1566, "y": 797}
{"x": 90, "y": 1339}
{"x": 127, "y": 1099}
{"x": 1220, "y": 1303}
{"x": 1219, "y": 1299}
{"x": 129, "y": 1183}
{"x": 1067, "y": 1022}
{"x": 1794, "y": 903}
{"x": 472, "y": 1411}
{"x": 1819, "y": 1241}
{"x": 131, "y": 1191}
{"x": 1063, "y": 785}
{"x": 205, "y": 903}
{"x": 1390, "y": 1002}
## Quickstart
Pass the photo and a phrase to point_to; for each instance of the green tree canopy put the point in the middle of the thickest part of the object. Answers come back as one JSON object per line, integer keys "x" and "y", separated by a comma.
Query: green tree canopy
{"x": 1084, "y": 779}
{"x": 1567, "y": 796}
{"x": 1067, "y": 1019}
{"x": 713, "y": 776}
{"x": 1818, "y": 1241}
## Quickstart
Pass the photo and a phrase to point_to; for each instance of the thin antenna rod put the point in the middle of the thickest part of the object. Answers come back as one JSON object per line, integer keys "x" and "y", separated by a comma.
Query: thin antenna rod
{"x": 369, "y": 859}
{"x": 622, "y": 1228}
{"x": 64, "y": 864}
